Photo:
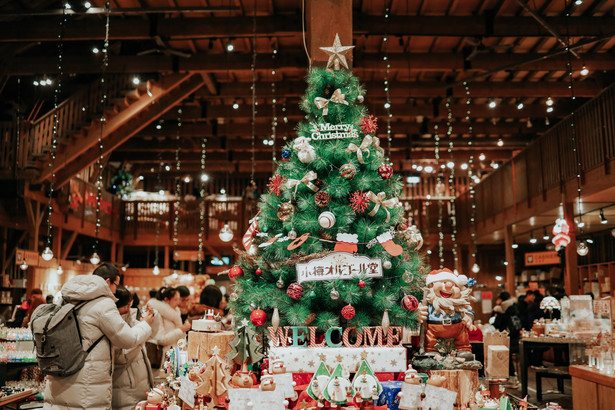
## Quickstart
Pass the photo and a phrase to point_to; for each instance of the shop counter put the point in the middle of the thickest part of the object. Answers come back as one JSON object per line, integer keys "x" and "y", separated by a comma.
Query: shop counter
{"x": 591, "y": 390}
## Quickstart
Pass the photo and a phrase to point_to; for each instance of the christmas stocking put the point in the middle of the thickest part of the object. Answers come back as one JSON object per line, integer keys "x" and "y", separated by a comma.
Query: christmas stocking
{"x": 250, "y": 233}
{"x": 346, "y": 242}
{"x": 386, "y": 240}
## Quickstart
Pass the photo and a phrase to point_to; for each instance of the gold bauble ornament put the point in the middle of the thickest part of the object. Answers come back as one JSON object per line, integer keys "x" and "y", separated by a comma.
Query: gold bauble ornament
{"x": 285, "y": 211}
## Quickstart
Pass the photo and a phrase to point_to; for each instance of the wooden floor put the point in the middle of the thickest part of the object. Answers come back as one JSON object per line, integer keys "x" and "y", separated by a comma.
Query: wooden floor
{"x": 549, "y": 392}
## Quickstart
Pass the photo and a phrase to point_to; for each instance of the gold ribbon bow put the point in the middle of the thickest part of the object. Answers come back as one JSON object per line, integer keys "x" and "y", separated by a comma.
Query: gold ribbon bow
{"x": 379, "y": 149}
{"x": 323, "y": 103}
{"x": 379, "y": 200}
{"x": 352, "y": 147}
{"x": 307, "y": 180}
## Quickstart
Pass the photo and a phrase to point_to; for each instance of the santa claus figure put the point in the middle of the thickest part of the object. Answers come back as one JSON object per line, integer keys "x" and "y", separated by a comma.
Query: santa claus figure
{"x": 446, "y": 310}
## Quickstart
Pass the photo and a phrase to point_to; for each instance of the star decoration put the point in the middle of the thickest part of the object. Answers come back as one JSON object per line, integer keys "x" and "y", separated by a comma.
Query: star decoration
{"x": 364, "y": 355}
{"x": 275, "y": 183}
{"x": 323, "y": 357}
{"x": 215, "y": 351}
{"x": 339, "y": 358}
{"x": 336, "y": 54}
{"x": 245, "y": 322}
{"x": 359, "y": 201}
{"x": 393, "y": 363}
{"x": 311, "y": 363}
{"x": 296, "y": 359}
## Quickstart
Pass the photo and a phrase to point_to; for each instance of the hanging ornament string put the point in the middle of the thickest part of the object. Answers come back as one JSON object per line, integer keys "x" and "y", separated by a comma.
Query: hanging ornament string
{"x": 274, "y": 117}
{"x": 48, "y": 253}
{"x": 387, "y": 104}
{"x": 178, "y": 180}
{"x": 438, "y": 194}
{"x": 471, "y": 177}
{"x": 253, "y": 69}
{"x": 159, "y": 210}
{"x": 573, "y": 128}
{"x": 103, "y": 103}
{"x": 451, "y": 178}
{"x": 202, "y": 205}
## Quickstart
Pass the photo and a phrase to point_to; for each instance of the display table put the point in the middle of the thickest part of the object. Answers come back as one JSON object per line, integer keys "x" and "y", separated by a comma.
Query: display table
{"x": 527, "y": 345}
{"x": 15, "y": 398}
{"x": 591, "y": 390}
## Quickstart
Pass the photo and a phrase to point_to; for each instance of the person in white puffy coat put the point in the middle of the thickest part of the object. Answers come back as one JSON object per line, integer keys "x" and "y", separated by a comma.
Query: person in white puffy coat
{"x": 132, "y": 373}
{"x": 90, "y": 387}
{"x": 167, "y": 319}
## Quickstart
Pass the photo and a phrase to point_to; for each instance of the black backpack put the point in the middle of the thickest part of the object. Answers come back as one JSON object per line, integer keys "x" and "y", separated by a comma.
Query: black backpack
{"x": 59, "y": 349}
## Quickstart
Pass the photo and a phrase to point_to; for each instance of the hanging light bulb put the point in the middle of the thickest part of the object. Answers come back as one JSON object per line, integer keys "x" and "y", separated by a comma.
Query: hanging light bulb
{"x": 584, "y": 71}
{"x": 475, "y": 268}
{"x": 520, "y": 106}
{"x": 514, "y": 245}
{"x": 492, "y": 103}
{"x": 532, "y": 239}
{"x": 582, "y": 248}
{"x": 95, "y": 259}
{"x": 226, "y": 233}
{"x": 603, "y": 220}
{"x": 59, "y": 271}
{"x": 47, "y": 254}
{"x": 500, "y": 142}
{"x": 482, "y": 156}
{"x": 549, "y": 102}
{"x": 156, "y": 270}
{"x": 545, "y": 235}
{"x": 24, "y": 265}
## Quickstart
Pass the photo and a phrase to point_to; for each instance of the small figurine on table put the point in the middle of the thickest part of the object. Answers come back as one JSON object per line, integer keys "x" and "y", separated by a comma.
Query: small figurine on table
{"x": 446, "y": 310}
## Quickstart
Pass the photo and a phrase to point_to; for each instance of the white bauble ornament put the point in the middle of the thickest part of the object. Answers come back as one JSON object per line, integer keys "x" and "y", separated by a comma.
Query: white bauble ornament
{"x": 326, "y": 219}
{"x": 305, "y": 152}
{"x": 387, "y": 264}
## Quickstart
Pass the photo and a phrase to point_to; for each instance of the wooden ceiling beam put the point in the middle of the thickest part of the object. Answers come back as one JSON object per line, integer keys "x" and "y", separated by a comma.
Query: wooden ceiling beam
{"x": 295, "y": 60}
{"x": 85, "y": 28}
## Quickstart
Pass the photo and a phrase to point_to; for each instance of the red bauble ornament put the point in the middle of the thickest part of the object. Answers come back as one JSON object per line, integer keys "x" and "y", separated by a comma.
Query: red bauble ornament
{"x": 385, "y": 171}
{"x": 409, "y": 303}
{"x": 294, "y": 291}
{"x": 259, "y": 271}
{"x": 348, "y": 312}
{"x": 361, "y": 283}
{"x": 234, "y": 272}
{"x": 258, "y": 317}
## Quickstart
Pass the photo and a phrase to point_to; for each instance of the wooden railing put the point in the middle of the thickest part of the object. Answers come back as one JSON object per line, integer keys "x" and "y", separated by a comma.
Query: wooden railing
{"x": 158, "y": 217}
{"x": 72, "y": 115}
{"x": 82, "y": 204}
{"x": 549, "y": 162}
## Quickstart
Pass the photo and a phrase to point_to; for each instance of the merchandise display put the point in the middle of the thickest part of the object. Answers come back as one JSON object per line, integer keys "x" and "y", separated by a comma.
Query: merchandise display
{"x": 208, "y": 323}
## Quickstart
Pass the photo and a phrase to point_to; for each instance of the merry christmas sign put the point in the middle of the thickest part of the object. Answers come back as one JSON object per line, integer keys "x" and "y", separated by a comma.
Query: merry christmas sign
{"x": 339, "y": 265}
{"x": 333, "y": 131}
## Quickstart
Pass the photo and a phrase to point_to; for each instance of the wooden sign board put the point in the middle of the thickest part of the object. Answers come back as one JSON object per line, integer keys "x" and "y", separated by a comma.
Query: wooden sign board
{"x": 31, "y": 257}
{"x": 188, "y": 256}
{"x": 542, "y": 258}
{"x": 339, "y": 265}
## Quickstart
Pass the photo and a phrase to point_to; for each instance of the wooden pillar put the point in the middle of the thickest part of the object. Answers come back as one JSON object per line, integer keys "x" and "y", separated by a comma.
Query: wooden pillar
{"x": 113, "y": 252}
{"x": 325, "y": 18}
{"x": 56, "y": 245}
{"x": 510, "y": 258}
{"x": 166, "y": 257}
{"x": 120, "y": 254}
{"x": 571, "y": 273}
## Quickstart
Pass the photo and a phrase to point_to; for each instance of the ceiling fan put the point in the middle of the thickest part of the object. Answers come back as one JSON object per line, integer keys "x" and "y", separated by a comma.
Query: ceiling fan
{"x": 477, "y": 47}
{"x": 162, "y": 48}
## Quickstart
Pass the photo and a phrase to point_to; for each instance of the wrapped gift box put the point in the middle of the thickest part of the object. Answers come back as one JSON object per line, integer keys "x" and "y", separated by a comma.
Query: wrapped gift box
{"x": 201, "y": 344}
{"x": 389, "y": 397}
{"x": 497, "y": 361}
{"x": 464, "y": 382}
{"x": 304, "y": 360}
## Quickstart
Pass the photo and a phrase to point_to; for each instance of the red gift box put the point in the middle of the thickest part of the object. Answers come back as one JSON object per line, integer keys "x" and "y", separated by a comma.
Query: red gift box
{"x": 152, "y": 406}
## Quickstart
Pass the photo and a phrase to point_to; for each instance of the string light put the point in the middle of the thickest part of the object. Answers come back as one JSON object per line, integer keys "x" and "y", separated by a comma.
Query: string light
{"x": 274, "y": 117}
{"x": 177, "y": 183}
{"x": 47, "y": 253}
{"x": 451, "y": 178}
{"x": 472, "y": 179}
{"x": 95, "y": 259}
{"x": 439, "y": 183}
{"x": 156, "y": 269}
{"x": 204, "y": 179}
{"x": 387, "y": 104}
{"x": 253, "y": 70}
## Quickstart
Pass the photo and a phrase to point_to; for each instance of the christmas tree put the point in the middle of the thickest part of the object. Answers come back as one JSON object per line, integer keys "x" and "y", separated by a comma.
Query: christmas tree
{"x": 334, "y": 193}
{"x": 245, "y": 348}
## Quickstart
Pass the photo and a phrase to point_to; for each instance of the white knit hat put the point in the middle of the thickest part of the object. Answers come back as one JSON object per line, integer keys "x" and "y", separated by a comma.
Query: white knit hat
{"x": 446, "y": 274}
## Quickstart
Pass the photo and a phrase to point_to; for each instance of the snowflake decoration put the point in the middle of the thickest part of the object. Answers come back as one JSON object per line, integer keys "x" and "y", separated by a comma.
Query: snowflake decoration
{"x": 275, "y": 183}
{"x": 359, "y": 201}
{"x": 369, "y": 125}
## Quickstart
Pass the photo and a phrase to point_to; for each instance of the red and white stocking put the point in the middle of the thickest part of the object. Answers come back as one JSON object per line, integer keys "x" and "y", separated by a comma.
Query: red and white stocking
{"x": 386, "y": 240}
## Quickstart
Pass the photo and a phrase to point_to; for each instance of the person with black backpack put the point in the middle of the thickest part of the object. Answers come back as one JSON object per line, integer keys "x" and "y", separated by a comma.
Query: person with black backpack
{"x": 507, "y": 318}
{"x": 74, "y": 341}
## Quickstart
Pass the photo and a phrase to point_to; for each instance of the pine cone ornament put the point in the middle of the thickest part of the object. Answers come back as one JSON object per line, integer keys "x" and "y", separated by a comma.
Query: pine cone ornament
{"x": 322, "y": 199}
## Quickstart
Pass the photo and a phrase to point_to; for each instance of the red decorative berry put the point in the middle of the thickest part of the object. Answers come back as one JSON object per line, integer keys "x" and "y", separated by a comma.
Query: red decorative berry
{"x": 275, "y": 183}
{"x": 259, "y": 271}
{"x": 402, "y": 225}
{"x": 369, "y": 125}
{"x": 258, "y": 317}
{"x": 359, "y": 201}
{"x": 409, "y": 303}
{"x": 234, "y": 272}
{"x": 294, "y": 291}
{"x": 385, "y": 171}
{"x": 361, "y": 283}
{"x": 348, "y": 312}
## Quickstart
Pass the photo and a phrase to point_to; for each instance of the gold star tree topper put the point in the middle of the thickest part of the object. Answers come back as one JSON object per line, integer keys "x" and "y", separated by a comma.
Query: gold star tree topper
{"x": 336, "y": 54}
